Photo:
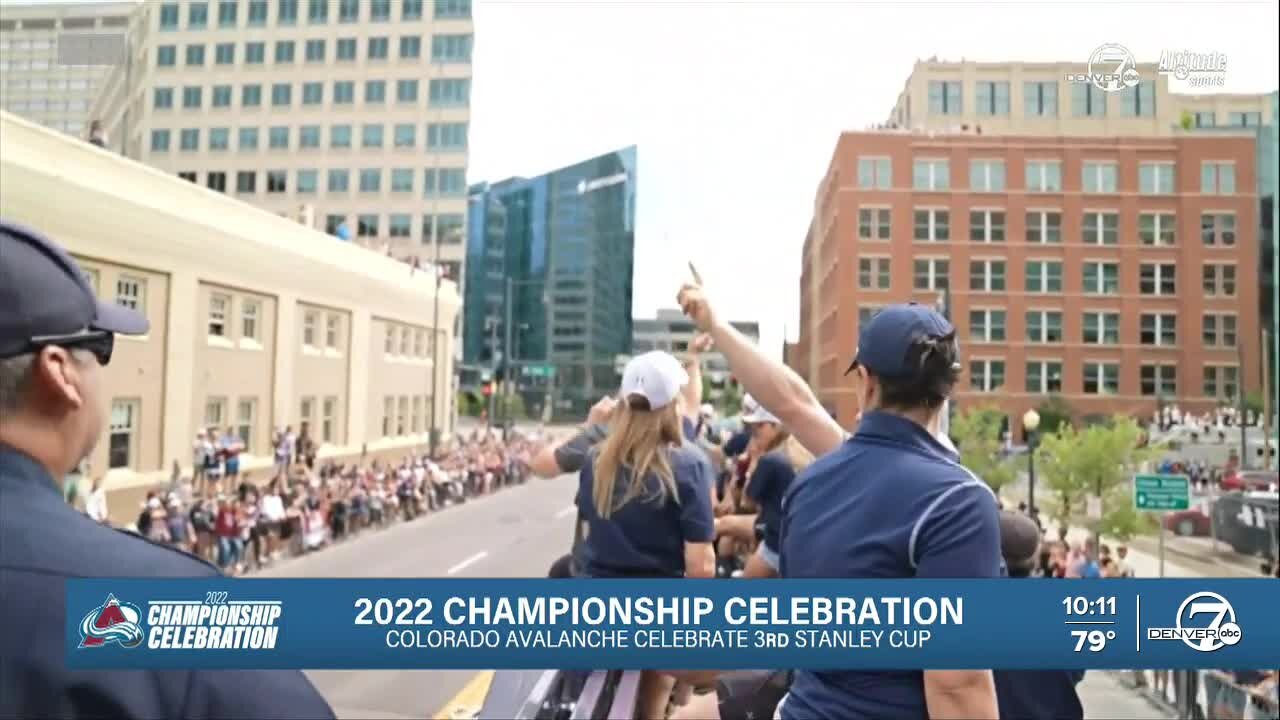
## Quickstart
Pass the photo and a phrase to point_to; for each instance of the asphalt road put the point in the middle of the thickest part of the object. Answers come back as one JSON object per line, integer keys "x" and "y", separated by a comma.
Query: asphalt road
{"x": 517, "y": 532}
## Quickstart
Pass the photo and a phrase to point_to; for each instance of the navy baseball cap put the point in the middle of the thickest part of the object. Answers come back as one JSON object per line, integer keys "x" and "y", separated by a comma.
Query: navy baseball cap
{"x": 885, "y": 339}
{"x": 44, "y": 294}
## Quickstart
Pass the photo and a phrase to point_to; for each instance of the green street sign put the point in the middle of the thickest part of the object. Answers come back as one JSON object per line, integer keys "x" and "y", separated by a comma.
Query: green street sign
{"x": 1161, "y": 492}
{"x": 537, "y": 370}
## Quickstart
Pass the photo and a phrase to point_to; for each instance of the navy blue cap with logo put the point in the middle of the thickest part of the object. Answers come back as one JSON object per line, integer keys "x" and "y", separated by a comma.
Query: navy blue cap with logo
{"x": 45, "y": 298}
{"x": 885, "y": 340}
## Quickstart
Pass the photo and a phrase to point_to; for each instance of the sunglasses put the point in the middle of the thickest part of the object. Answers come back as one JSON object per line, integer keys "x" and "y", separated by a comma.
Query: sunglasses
{"x": 98, "y": 342}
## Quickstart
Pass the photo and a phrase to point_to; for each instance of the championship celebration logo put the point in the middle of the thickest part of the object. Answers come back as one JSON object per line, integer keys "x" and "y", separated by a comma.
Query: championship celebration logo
{"x": 111, "y": 622}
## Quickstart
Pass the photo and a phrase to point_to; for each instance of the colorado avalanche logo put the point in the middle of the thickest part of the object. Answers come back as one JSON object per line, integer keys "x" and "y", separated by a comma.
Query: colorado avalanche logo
{"x": 111, "y": 622}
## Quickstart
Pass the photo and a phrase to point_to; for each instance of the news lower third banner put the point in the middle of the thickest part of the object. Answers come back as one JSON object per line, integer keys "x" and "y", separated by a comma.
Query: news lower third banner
{"x": 672, "y": 624}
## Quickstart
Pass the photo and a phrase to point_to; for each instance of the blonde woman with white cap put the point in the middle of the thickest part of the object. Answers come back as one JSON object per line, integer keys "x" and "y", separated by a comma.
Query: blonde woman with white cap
{"x": 646, "y": 496}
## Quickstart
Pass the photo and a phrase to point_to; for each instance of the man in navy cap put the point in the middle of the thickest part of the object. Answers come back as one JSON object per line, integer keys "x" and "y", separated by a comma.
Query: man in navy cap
{"x": 892, "y": 501}
{"x": 55, "y": 337}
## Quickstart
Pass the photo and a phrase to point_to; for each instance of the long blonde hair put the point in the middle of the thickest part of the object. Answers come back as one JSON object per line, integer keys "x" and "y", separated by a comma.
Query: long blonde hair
{"x": 637, "y": 441}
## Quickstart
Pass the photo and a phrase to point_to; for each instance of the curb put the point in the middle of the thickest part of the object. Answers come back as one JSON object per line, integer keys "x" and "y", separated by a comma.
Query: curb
{"x": 1170, "y": 549}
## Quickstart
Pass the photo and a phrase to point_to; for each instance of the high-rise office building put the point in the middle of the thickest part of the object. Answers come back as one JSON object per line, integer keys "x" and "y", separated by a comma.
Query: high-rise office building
{"x": 351, "y": 115}
{"x": 54, "y": 56}
{"x": 549, "y": 265}
{"x": 672, "y": 332}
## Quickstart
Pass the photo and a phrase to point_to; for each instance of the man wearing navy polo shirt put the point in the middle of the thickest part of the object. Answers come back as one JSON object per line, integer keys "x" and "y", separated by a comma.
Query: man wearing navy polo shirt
{"x": 890, "y": 502}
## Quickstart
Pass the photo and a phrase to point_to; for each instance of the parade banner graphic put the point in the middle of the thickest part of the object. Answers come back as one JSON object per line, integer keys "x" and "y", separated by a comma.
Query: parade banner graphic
{"x": 672, "y": 624}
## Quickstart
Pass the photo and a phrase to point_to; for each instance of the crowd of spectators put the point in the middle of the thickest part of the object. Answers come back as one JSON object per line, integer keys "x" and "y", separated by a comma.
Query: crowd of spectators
{"x": 224, "y": 517}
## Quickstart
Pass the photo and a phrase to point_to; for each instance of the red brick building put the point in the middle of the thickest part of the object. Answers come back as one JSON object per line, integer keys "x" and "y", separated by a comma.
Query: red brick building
{"x": 1109, "y": 271}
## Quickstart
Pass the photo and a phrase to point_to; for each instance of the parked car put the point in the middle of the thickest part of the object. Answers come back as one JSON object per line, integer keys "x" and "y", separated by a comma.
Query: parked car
{"x": 1252, "y": 480}
{"x": 1190, "y": 522}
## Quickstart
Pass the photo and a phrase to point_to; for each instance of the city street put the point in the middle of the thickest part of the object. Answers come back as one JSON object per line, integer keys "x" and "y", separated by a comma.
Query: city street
{"x": 517, "y": 532}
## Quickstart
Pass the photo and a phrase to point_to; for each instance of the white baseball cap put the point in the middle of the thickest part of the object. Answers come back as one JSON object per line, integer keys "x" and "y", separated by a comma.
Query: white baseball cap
{"x": 656, "y": 376}
{"x": 707, "y": 410}
{"x": 759, "y": 414}
{"x": 749, "y": 404}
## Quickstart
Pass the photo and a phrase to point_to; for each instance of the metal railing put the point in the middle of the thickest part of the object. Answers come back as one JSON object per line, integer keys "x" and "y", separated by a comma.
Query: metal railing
{"x": 1203, "y": 694}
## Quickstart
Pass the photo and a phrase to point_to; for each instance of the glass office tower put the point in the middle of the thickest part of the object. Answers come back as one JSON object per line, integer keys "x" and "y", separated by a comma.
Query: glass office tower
{"x": 549, "y": 263}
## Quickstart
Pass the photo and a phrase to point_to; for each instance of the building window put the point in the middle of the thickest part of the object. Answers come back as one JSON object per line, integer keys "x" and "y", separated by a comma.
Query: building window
{"x": 447, "y": 136}
{"x": 1158, "y": 279}
{"x": 255, "y": 53}
{"x": 1088, "y": 101}
{"x": 1101, "y": 228}
{"x": 371, "y": 136}
{"x": 873, "y": 273}
{"x": 131, "y": 292}
{"x": 388, "y": 414}
{"x": 1155, "y": 178}
{"x": 1203, "y": 119}
{"x": 250, "y": 96}
{"x": 445, "y": 9}
{"x": 1044, "y": 276}
{"x": 312, "y": 93}
{"x": 1099, "y": 177}
{"x": 189, "y": 176}
{"x": 1044, "y": 376}
{"x": 1101, "y": 378}
{"x": 986, "y": 375}
{"x": 944, "y": 97}
{"x": 415, "y": 415}
{"x": 281, "y": 94}
{"x": 246, "y": 181}
{"x": 367, "y": 226}
{"x": 310, "y": 326}
{"x": 1101, "y": 278}
{"x": 159, "y": 141}
{"x": 332, "y": 330}
{"x": 308, "y": 182}
{"x": 332, "y": 222}
{"x": 195, "y": 55}
{"x": 931, "y": 274}
{"x": 399, "y": 225}
{"x": 375, "y": 92}
{"x": 451, "y": 48}
{"x": 248, "y": 139}
{"x": 216, "y": 180}
{"x": 218, "y": 306}
{"x": 873, "y": 224}
{"x": 1219, "y": 330}
{"x": 348, "y": 11}
{"x": 1157, "y": 229}
{"x": 410, "y": 47}
{"x": 277, "y": 181}
{"x": 309, "y": 136}
{"x": 1218, "y": 178}
{"x": 406, "y": 91}
{"x": 257, "y": 13}
{"x": 1040, "y": 99}
{"x": 224, "y": 54}
{"x": 1221, "y": 381}
{"x": 405, "y": 135}
{"x": 1244, "y": 119}
{"x": 246, "y": 414}
{"x": 380, "y": 10}
{"x": 344, "y": 92}
{"x": 932, "y": 225}
{"x": 284, "y": 52}
{"x": 378, "y": 48}
{"x": 250, "y": 311}
{"x": 339, "y": 181}
{"x": 328, "y": 418}
{"x": 314, "y": 51}
{"x": 992, "y": 98}
{"x": 987, "y": 275}
{"x": 986, "y": 175}
{"x": 215, "y": 412}
{"x": 401, "y": 180}
{"x": 221, "y": 96}
{"x": 389, "y": 340}
{"x": 449, "y": 92}
{"x": 411, "y": 10}
{"x": 445, "y": 182}
{"x": 169, "y": 16}
{"x": 1101, "y": 328}
{"x": 987, "y": 326}
{"x": 318, "y": 12}
{"x": 1158, "y": 329}
{"x": 1139, "y": 100}
{"x": 865, "y": 313}
{"x": 306, "y": 409}
{"x": 166, "y": 56}
{"x": 287, "y": 12}
{"x": 1044, "y": 326}
{"x": 1044, "y": 176}
{"x": 278, "y": 137}
{"x": 371, "y": 180}
{"x": 124, "y": 423}
{"x": 406, "y": 341}
{"x": 1044, "y": 227}
{"x": 1219, "y": 279}
{"x": 1159, "y": 380}
{"x": 340, "y": 136}
{"x": 986, "y": 226}
{"x": 1218, "y": 229}
{"x": 419, "y": 343}
{"x": 875, "y": 173}
{"x": 162, "y": 98}
{"x": 931, "y": 174}
{"x": 345, "y": 49}
{"x": 189, "y": 139}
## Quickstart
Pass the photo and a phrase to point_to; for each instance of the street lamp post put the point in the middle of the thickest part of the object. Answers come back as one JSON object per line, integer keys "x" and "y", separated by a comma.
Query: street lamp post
{"x": 1031, "y": 421}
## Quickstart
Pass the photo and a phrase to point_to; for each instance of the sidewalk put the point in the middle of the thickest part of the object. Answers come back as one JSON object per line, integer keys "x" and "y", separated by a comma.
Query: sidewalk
{"x": 1104, "y": 698}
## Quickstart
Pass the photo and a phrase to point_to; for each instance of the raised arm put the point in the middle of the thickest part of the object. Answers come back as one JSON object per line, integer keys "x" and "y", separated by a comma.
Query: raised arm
{"x": 771, "y": 383}
{"x": 567, "y": 456}
{"x": 692, "y": 392}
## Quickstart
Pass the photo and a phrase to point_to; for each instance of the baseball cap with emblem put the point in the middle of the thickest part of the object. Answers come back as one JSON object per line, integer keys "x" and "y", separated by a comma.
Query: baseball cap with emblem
{"x": 655, "y": 376}
{"x": 45, "y": 299}
{"x": 885, "y": 340}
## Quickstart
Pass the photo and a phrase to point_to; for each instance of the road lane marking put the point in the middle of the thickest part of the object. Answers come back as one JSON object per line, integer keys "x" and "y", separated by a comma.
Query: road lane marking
{"x": 566, "y": 512}
{"x": 469, "y": 700}
{"x": 467, "y": 563}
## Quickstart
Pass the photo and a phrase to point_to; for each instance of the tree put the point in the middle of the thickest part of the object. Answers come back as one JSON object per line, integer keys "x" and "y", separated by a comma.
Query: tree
{"x": 977, "y": 434}
{"x": 468, "y": 404}
{"x": 731, "y": 399}
{"x": 1187, "y": 120}
{"x": 1054, "y": 413}
{"x": 1097, "y": 460}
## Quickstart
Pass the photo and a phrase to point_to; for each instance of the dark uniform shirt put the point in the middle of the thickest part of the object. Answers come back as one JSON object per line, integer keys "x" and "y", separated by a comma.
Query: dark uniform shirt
{"x": 43, "y": 542}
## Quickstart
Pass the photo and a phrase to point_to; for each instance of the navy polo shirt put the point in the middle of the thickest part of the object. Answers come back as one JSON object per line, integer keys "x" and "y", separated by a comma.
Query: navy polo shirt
{"x": 891, "y": 502}
{"x": 767, "y": 486}
{"x": 43, "y": 542}
{"x": 1039, "y": 694}
{"x": 737, "y": 443}
{"x": 645, "y": 537}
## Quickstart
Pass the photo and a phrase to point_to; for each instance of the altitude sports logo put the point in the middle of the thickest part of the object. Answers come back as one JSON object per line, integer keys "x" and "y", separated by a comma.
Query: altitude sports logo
{"x": 111, "y": 622}
{"x": 214, "y": 623}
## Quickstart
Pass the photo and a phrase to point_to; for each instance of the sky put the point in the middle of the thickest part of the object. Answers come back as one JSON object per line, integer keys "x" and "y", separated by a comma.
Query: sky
{"x": 735, "y": 106}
